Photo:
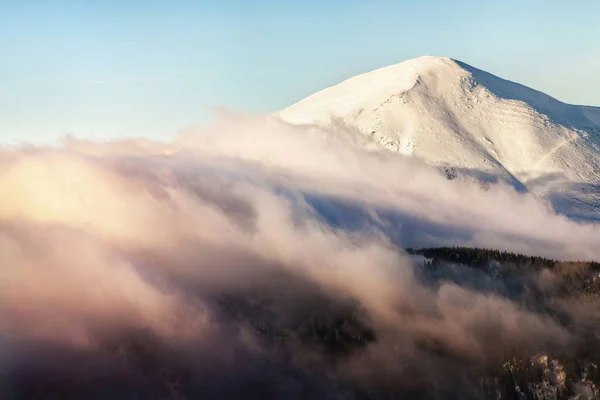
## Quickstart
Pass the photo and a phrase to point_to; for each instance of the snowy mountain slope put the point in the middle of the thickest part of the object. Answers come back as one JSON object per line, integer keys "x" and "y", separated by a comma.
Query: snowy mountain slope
{"x": 468, "y": 121}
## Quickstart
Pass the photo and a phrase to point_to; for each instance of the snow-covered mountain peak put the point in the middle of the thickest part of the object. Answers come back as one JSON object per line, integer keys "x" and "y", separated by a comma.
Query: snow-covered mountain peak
{"x": 374, "y": 88}
{"x": 469, "y": 121}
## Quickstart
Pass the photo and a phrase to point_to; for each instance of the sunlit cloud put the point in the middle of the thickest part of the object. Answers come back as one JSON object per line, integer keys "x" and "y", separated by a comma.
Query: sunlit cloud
{"x": 109, "y": 246}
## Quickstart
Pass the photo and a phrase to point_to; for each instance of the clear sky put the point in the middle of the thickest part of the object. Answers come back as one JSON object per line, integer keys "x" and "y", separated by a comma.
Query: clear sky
{"x": 109, "y": 68}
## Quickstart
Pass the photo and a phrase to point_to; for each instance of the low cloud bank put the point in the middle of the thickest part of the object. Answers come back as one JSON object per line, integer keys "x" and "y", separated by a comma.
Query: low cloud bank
{"x": 254, "y": 259}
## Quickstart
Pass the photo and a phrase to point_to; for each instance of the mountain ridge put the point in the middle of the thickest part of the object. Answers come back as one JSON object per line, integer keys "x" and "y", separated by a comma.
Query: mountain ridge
{"x": 463, "y": 119}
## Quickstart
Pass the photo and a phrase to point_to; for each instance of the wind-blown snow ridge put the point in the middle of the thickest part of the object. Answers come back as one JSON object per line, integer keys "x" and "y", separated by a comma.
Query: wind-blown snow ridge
{"x": 470, "y": 122}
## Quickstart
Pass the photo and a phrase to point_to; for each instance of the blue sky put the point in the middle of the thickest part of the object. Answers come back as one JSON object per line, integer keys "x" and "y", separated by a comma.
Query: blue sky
{"x": 103, "y": 69}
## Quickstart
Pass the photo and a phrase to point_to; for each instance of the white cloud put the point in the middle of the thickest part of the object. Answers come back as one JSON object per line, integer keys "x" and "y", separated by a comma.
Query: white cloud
{"x": 96, "y": 239}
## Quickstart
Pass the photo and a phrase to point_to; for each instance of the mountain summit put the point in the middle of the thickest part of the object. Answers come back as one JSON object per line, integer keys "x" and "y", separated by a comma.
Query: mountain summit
{"x": 470, "y": 122}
